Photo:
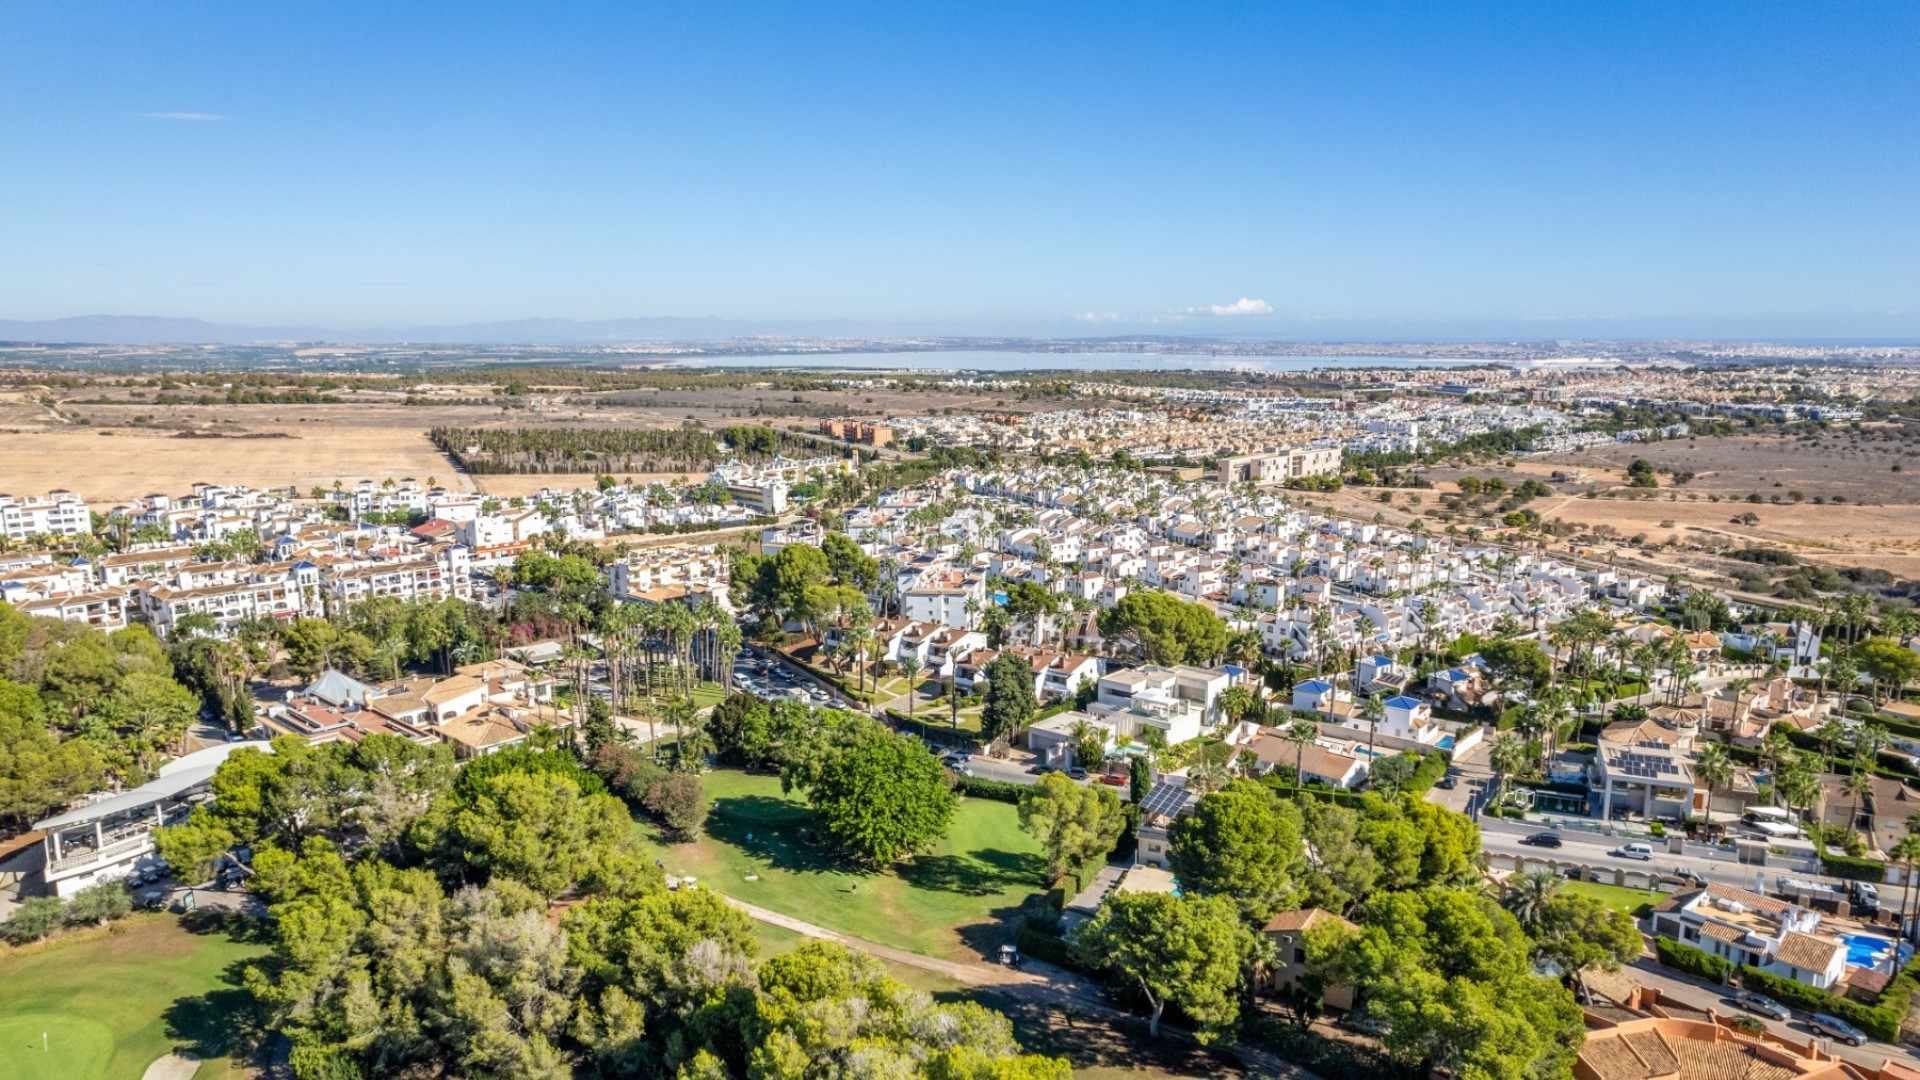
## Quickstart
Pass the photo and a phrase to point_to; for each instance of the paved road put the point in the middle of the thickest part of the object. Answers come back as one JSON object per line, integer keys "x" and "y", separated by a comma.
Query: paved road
{"x": 1702, "y": 995}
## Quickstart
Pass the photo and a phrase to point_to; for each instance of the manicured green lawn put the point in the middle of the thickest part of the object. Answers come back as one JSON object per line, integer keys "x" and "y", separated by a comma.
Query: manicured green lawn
{"x": 707, "y": 695}
{"x": 951, "y": 902}
{"x": 110, "y": 1003}
{"x": 1634, "y": 902}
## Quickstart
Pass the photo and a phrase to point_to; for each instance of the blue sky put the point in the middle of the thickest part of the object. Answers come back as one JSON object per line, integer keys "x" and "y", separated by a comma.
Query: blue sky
{"x": 1333, "y": 170}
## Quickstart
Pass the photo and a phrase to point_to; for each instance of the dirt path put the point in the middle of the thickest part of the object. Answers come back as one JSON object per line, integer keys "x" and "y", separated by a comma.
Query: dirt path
{"x": 1042, "y": 988}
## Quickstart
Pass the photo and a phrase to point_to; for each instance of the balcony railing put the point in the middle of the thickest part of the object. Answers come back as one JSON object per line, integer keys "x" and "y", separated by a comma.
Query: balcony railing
{"x": 110, "y": 852}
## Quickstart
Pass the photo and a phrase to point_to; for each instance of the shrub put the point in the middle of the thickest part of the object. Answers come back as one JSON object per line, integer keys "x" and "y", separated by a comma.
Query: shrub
{"x": 1683, "y": 957}
{"x": 1658, "y": 830}
{"x": 978, "y": 787}
{"x": 100, "y": 903}
{"x": 1053, "y": 950}
{"x": 679, "y": 801}
{"x": 34, "y": 919}
{"x": 1428, "y": 773}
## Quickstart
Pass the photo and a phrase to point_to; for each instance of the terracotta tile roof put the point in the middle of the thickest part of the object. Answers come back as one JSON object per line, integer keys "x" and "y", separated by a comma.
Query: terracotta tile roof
{"x": 1807, "y": 952}
{"x": 1764, "y": 904}
{"x": 1292, "y": 921}
{"x": 1732, "y": 935}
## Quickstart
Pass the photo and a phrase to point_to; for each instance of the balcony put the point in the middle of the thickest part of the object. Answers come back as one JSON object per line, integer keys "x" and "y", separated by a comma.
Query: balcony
{"x": 111, "y": 853}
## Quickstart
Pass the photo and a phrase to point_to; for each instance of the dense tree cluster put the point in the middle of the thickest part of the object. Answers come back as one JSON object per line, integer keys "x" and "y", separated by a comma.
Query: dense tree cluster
{"x": 497, "y": 921}
{"x": 1449, "y": 974}
{"x": 80, "y": 708}
{"x": 1168, "y": 630}
{"x": 691, "y": 447}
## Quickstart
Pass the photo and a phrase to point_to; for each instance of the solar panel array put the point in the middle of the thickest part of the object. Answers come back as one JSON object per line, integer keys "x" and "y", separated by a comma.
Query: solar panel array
{"x": 1165, "y": 800}
{"x": 1650, "y": 766}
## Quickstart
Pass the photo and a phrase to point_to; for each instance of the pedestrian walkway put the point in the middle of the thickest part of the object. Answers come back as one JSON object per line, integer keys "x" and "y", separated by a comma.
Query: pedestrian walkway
{"x": 1095, "y": 893}
{"x": 1035, "y": 981}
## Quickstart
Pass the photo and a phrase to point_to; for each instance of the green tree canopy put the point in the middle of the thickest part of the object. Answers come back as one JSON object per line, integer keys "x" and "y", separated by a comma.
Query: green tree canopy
{"x": 882, "y": 797}
{"x": 1241, "y": 843}
{"x": 1450, "y": 972}
{"x": 1170, "y": 630}
{"x": 1010, "y": 698}
{"x": 1075, "y": 823}
{"x": 1190, "y": 951}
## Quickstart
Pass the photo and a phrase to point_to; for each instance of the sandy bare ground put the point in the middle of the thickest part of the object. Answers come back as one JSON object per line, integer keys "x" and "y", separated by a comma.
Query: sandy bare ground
{"x": 1839, "y": 533}
{"x": 116, "y": 465}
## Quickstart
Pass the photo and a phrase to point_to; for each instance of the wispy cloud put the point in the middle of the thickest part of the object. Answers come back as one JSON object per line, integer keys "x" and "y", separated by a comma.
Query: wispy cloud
{"x": 1242, "y": 306}
{"x": 188, "y": 117}
{"x": 1098, "y": 316}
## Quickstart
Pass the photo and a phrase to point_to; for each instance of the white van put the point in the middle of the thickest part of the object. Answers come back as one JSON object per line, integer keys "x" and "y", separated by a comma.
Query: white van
{"x": 1643, "y": 852}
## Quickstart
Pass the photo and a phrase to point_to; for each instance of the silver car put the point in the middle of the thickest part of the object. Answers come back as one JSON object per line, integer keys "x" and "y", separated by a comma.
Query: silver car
{"x": 1762, "y": 1004}
{"x": 1837, "y": 1028}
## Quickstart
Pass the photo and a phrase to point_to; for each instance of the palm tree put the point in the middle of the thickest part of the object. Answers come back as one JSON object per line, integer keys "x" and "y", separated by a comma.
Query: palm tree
{"x": 1531, "y": 725}
{"x": 1907, "y": 854}
{"x": 1302, "y": 734}
{"x": 1799, "y": 782}
{"x": 1713, "y": 769}
{"x": 910, "y": 667}
{"x": 1507, "y": 757}
{"x": 1528, "y": 894}
{"x": 1774, "y": 747}
{"x": 1373, "y": 710}
{"x": 1831, "y": 733}
{"x": 1859, "y": 784}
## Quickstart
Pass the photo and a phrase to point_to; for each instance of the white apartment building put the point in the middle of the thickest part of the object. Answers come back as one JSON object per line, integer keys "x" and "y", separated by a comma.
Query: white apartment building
{"x": 445, "y": 573}
{"x": 284, "y": 591}
{"x": 57, "y": 513}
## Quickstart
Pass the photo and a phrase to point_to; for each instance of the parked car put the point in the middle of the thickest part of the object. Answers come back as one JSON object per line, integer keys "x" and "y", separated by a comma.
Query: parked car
{"x": 1116, "y": 779}
{"x": 1643, "y": 852}
{"x": 1542, "y": 839}
{"x": 1076, "y": 773}
{"x": 1864, "y": 896}
{"x": 1837, "y": 1028}
{"x": 1449, "y": 782}
{"x": 1366, "y": 1024}
{"x": 1762, "y": 1004}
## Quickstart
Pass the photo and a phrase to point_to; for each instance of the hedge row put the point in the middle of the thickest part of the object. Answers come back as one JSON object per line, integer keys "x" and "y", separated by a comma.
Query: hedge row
{"x": 978, "y": 787}
{"x": 1428, "y": 773}
{"x": 1881, "y": 1020}
{"x": 932, "y": 728}
{"x": 1684, "y": 957}
{"x": 1847, "y": 866}
{"x": 1053, "y": 950}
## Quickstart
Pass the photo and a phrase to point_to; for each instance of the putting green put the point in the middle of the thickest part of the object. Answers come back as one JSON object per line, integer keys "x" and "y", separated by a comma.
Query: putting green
{"x": 76, "y": 1048}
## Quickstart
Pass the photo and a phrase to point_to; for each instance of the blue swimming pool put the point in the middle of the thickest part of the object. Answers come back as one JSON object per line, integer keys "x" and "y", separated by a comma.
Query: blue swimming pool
{"x": 1869, "y": 950}
{"x": 1445, "y": 743}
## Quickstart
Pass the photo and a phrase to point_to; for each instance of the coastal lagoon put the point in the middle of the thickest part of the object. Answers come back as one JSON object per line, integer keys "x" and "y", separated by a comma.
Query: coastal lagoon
{"x": 984, "y": 360}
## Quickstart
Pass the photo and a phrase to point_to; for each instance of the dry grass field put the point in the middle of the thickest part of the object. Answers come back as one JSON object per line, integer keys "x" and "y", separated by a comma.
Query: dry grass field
{"x": 1868, "y": 514}
{"x": 113, "y": 444}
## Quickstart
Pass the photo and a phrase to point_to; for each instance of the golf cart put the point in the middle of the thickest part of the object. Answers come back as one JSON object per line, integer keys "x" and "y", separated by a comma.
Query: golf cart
{"x": 1010, "y": 956}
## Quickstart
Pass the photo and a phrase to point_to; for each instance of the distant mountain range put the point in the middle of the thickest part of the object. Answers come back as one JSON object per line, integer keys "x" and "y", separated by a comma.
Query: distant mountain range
{"x": 1877, "y": 329}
